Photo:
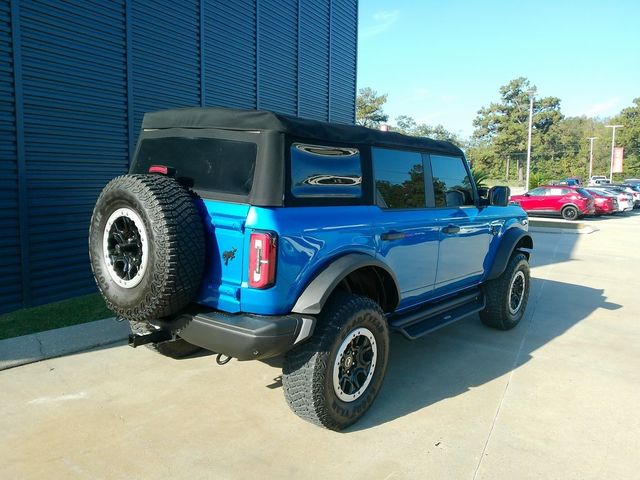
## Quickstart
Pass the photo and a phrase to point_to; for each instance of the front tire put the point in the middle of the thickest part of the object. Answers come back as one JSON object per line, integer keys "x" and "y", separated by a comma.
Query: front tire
{"x": 507, "y": 296}
{"x": 332, "y": 379}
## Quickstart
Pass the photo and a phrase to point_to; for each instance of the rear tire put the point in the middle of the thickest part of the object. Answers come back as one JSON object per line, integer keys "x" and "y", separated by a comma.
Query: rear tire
{"x": 332, "y": 379}
{"x": 507, "y": 296}
{"x": 570, "y": 213}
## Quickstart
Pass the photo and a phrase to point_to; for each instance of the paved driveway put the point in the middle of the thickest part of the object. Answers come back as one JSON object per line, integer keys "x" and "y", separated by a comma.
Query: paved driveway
{"x": 559, "y": 397}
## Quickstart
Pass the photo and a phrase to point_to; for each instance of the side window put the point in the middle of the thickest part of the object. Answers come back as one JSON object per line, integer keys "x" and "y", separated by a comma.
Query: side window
{"x": 399, "y": 178}
{"x": 320, "y": 171}
{"x": 451, "y": 184}
{"x": 552, "y": 192}
{"x": 537, "y": 192}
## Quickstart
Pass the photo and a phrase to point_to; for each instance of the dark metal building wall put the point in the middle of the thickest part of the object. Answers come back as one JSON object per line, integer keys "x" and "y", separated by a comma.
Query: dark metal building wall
{"x": 10, "y": 255}
{"x": 76, "y": 78}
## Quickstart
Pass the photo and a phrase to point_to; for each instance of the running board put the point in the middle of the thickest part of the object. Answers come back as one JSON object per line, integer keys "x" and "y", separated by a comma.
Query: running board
{"x": 415, "y": 324}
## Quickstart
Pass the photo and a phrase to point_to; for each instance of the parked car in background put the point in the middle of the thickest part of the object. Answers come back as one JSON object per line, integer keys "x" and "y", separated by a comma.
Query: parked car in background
{"x": 568, "y": 201}
{"x": 598, "y": 179}
{"x": 632, "y": 181}
{"x": 625, "y": 200}
{"x": 605, "y": 203}
{"x": 634, "y": 191}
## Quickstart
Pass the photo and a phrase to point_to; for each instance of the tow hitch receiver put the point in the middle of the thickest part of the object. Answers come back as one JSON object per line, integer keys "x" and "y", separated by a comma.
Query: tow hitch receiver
{"x": 157, "y": 336}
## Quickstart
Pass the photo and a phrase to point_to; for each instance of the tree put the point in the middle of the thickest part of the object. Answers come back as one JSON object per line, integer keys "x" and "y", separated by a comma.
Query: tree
{"x": 369, "y": 112}
{"x": 407, "y": 125}
{"x": 501, "y": 128}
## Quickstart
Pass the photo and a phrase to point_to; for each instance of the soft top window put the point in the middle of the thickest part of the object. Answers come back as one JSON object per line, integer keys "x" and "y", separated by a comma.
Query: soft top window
{"x": 324, "y": 171}
{"x": 213, "y": 165}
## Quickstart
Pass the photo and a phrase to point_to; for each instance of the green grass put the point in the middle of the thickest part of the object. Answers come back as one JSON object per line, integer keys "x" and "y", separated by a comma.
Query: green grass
{"x": 53, "y": 315}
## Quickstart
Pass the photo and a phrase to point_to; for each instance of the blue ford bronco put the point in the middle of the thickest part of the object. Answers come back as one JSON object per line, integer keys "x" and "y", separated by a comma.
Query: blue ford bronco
{"x": 254, "y": 234}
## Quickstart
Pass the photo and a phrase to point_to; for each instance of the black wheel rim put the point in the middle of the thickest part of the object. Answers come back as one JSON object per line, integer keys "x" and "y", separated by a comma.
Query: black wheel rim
{"x": 355, "y": 364}
{"x": 570, "y": 213}
{"x": 516, "y": 292}
{"x": 124, "y": 245}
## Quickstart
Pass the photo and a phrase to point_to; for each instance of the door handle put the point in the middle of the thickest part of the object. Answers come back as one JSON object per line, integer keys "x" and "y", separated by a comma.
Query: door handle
{"x": 392, "y": 236}
{"x": 450, "y": 229}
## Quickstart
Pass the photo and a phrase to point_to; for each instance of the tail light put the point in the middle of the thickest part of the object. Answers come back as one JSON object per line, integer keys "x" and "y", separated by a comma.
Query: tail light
{"x": 262, "y": 260}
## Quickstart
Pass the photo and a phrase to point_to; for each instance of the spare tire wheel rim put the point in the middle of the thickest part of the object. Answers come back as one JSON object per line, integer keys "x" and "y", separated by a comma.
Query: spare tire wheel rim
{"x": 125, "y": 247}
{"x": 516, "y": 292}
{"x": 355, "y": 364}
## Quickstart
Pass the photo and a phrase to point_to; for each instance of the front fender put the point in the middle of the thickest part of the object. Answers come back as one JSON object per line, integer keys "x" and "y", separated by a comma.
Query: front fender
{"x": 313, "y": 297}
{"x": 512, "y": 239}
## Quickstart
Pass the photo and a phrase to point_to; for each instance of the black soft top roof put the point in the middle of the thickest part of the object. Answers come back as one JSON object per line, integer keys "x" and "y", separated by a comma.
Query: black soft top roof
{"x": 233, "y": 119}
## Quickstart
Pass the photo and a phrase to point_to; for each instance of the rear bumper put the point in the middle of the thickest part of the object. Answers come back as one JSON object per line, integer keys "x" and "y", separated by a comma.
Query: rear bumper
{"x": 245, "y": 336}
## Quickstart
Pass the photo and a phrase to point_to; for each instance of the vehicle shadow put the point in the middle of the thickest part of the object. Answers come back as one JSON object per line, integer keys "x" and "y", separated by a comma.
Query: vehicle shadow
{"x": 465, "y": 355}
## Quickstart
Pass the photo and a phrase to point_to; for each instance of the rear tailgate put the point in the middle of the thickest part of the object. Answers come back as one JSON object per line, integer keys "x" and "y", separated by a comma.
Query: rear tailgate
{"x": 224, "y": 272}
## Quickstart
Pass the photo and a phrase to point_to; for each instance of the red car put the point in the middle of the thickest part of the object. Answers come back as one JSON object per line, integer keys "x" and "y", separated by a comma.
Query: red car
{"x": 606, "y": 204}
{"x": 569, "y": 201}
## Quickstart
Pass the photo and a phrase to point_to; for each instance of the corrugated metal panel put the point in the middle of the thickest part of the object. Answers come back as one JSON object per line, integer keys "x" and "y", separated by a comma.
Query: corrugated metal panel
{"x": 342, "y": 76}
{"x": 229, "y": 49}
{"x": 278, "y": 55}
{"x": 166, "y": 55}
{"x": 75, "y": 132}
{"x": 10, "y": 259}
{"x": 88, "y": 70}
{"x": 314, "y": 60}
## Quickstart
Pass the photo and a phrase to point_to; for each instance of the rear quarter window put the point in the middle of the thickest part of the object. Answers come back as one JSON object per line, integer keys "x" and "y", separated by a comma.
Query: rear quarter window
{"x": 325, "y": 171}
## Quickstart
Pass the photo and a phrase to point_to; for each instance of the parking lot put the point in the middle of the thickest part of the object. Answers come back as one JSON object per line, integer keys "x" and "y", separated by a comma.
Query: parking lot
{"x": 558, "y": 397}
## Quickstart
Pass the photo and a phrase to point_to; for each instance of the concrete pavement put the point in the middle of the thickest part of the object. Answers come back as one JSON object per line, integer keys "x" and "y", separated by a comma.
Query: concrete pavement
{"x": 558, "y": 397}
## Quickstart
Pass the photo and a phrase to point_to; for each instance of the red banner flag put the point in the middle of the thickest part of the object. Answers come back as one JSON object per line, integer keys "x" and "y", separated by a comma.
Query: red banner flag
{"x": 618, "y": 154}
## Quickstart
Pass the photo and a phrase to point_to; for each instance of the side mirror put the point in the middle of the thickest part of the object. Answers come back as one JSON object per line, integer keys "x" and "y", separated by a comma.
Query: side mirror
{"x": 499, "y": 196}
{"x": 483, "y": 192}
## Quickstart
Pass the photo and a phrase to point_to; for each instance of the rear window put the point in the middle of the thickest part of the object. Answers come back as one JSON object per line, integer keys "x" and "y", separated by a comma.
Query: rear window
{"x": 208, "y": 164}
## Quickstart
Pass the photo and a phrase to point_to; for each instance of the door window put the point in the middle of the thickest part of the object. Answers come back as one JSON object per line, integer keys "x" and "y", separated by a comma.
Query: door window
{"x": 399, "y": 178}
{"x": 451, "y": 183}
{"x": 537, "y": 192}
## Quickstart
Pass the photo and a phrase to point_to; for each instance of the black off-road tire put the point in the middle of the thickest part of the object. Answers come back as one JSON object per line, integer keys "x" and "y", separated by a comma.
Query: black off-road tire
{"x": 308, "y": 369}
{"x": 177, "y": 348}
{"x": 500, "y": 312}
{"x": 174, "y": 231}
{"x": 570, "y": 213}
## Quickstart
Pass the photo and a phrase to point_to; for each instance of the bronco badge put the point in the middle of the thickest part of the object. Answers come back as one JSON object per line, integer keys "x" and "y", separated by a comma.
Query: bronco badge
{"x": 229, "y": 255}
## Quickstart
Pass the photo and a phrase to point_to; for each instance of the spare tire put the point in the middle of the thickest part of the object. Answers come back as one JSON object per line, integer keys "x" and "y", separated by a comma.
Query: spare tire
{"x": 146, "y": 244}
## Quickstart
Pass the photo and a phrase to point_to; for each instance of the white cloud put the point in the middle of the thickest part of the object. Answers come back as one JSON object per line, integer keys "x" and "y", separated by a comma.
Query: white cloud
{"x": 382, "y": 21}
{"x": 602, "y": 107}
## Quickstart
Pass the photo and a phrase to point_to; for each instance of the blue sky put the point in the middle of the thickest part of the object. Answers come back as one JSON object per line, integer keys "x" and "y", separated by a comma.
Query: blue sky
{"x": 440, "y": 62}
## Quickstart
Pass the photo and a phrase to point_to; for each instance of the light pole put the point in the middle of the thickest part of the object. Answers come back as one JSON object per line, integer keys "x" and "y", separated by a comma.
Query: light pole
{"x": 531, "y": 93}
{"x": 591, "y": 139}
{"x": 613, "y": 144}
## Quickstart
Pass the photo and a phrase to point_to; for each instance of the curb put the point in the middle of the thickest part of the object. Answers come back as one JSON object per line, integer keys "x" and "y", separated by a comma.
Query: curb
{"x": 61, "y": 341}
{"x": 560, "y": 226}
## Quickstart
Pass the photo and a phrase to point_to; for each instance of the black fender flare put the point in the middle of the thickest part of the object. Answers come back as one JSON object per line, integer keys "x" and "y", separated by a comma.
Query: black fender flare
{"x": 513, "y": 239}
{"x": 314, "y": 296}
